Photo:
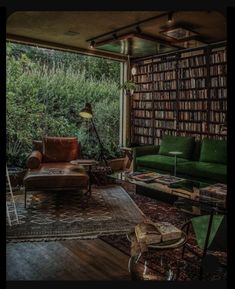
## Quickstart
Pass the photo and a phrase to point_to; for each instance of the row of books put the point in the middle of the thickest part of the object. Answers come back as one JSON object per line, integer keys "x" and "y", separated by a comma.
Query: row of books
{"x": 144, "y": 86}
{"x": 144, "y": 69}
{"x": 218, "y": 57}
{"x": 169, "y": 75}
{"x": 164, "y": 95}
{"x": 215, "y": 128}
{"x": 142, "y": 96}
{"x": 142, "y": 104}
{"x": 192, "y": 126}
{"x": 193, "y": 94}
{"x": 142, "y": 78}
{"x": 142, "y": 122}
{"x": 194, "y": 61}
{"x": 165, "y": 114}
{"x": 165, "y": 85}
{"x": 142, "y": 139}
{"x": 143, "y": 113}
{"x": 193, "y": 105}
{"x": 192, "y": 83}
{"x": 171, "y": 105}
{"x": 165, "y": 124}
{"x": 218, "y": 81}
{"x": 192, "y": 72}
{"x": 143, "y": 130}
{"x": 217, "y": 117}
{"x": 218, "y": 93}
{"x": 219, "y": 105}
{"x": 218, "y": 69}
{"x": 192, "y": 53}
{"x": 164, "y": 66}
{"x": 197, "y": 136}
{"x": 192, "y": 115}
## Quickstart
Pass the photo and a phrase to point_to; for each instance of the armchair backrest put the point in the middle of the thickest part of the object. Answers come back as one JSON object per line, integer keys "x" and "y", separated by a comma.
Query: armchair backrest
{"x": 58, "y": 149}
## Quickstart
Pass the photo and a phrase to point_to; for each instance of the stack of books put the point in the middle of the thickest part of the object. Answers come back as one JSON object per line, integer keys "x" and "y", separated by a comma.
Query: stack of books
{"x": 216, "y": 192}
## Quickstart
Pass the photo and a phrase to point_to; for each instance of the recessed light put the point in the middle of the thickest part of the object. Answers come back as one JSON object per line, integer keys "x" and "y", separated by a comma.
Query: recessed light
{"x": 179, "y": 33}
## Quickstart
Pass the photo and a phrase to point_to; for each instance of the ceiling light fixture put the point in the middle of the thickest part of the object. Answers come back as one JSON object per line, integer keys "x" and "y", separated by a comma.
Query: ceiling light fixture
{"x": 92, "y": 44}
{"x": 170, "y": 17}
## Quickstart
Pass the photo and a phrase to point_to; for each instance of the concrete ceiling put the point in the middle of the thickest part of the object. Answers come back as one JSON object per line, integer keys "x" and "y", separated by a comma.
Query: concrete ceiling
{"x": 54, "y": 29}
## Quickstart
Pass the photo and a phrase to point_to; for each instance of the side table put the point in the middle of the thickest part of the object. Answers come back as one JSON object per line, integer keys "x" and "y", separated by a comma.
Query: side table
{"x": 88, "y": 163}
{"x": 175, "y": 154}
{"x": 161, "y": 246}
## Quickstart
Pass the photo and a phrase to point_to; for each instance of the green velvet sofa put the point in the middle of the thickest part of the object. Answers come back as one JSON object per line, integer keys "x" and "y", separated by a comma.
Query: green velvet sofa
{"x": 204, "y": 160}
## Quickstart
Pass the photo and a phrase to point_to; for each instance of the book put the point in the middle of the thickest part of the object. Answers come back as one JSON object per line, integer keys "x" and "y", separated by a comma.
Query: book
{"x": 216, "y": 191}
{"x": 147, "y": 233}
{"x": 168, "y": 231}
{"x": 154, "y": 233}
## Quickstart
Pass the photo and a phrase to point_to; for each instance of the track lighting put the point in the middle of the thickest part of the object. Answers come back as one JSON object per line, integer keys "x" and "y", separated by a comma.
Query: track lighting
{"x": 170, "y": 17}
{"x": 92, "y": 44}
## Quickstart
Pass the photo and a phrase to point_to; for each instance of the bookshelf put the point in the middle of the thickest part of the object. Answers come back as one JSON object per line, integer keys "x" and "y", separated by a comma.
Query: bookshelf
{"x": 183, "y": 93}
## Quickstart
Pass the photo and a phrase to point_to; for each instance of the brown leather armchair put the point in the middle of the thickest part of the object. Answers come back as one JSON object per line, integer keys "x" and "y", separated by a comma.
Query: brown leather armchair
{"x": 49, "y": 166}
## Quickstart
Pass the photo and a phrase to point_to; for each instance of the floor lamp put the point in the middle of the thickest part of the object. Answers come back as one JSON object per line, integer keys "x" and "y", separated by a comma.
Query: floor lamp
{"x": 87, "y": 113}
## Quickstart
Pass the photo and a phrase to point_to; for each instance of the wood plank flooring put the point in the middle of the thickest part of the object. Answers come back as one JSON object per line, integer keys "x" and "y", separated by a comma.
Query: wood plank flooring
{"x": 66, "y": 260}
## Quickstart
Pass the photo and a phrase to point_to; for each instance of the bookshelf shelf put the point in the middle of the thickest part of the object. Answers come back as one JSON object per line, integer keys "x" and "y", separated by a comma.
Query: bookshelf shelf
{"x": 183, "y": 93}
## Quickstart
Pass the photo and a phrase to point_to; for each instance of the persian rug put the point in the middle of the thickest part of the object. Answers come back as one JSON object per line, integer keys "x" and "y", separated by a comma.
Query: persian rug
{"x": 62, "y": 215}
{"x": 158, "y": 262}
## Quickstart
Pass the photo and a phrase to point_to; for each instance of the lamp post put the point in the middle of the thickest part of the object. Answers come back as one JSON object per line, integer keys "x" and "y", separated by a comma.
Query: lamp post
{"x": 87, "y": 113}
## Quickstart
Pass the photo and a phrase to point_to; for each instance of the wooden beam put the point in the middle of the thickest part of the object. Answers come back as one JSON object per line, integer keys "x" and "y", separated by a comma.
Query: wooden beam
{"x": 58, "y": 46}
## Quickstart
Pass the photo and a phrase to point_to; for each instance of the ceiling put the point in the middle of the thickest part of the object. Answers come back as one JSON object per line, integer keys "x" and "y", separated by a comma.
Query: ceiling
{"x": 70, "y": 30}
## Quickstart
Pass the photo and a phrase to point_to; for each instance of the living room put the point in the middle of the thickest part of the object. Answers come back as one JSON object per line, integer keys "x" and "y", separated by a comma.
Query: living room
{"x": 155, "y": 211}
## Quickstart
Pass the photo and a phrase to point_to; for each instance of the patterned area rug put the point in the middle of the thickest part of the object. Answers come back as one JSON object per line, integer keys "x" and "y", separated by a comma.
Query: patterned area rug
{"x": 60, "y": 216}
{"x": 156, "y": 263}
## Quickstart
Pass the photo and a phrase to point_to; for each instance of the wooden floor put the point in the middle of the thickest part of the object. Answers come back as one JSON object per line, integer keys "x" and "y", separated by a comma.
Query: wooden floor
{"x": 66, "y": 260}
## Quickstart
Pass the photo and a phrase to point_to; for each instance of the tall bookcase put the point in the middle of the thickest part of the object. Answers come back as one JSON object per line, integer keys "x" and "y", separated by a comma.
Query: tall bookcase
{"x": 183, "y": 93}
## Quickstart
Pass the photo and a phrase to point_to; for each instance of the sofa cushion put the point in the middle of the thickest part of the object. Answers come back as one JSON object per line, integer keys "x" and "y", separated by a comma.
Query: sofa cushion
{"x": 214, "y": 151}
{"x": 34, "y": 160}
{"x": 37, "y": 145}
{"x": 60, "y": 149}
{"x": 177, "y": 143}
{"x": 212, "y": 171}
{"x": 161, "y": 162}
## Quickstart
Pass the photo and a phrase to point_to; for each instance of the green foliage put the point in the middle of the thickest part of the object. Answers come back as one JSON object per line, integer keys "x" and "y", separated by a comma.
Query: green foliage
{"x": 46, "y": 90}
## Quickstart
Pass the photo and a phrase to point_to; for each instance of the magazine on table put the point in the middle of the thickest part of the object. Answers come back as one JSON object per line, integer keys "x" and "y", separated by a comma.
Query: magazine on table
{"x": 146, "y": 177}
{"x": 168, "y": 180}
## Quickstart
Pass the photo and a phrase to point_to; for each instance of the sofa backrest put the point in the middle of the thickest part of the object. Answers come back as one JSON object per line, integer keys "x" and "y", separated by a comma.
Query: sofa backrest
{"x": 214, "y": 151}
{"x": 184, "y": 144}
{"x": 58, "y": 149}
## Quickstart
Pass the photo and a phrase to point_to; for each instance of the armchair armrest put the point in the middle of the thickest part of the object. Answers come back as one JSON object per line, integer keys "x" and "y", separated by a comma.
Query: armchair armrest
{"x": 143, "y": 150}
{"x": 34, "y": 160}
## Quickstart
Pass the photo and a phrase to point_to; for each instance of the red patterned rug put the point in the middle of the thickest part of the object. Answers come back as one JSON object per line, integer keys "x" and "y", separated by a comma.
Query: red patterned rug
{"x": 158, "y": 262}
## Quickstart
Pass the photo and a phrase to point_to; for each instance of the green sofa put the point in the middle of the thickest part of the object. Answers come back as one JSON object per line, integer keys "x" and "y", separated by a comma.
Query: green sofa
{"x": 204, "y": 160}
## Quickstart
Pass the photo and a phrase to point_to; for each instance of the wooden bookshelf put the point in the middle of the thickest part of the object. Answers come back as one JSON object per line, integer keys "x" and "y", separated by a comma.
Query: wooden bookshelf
{"x": 183, "y": 93}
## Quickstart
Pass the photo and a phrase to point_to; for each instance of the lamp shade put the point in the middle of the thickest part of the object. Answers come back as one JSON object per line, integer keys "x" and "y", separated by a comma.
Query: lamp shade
{"x": 86, "y": 112}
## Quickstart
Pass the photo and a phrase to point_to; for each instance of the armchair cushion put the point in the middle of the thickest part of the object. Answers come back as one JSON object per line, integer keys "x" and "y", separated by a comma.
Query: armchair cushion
{"x": 60, "y": 149}
{"x": 177, "y": 143}
{"x": 34, "y": 160}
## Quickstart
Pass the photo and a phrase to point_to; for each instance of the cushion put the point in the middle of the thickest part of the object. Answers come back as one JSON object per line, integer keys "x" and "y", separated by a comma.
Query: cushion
{"x": 182, "y": 144}
{"x": 60, "y": 149}
{"x": 34, "y": 160}
{"x": 211, "y": 171}
{"x": 165, "y": 163}
{"x": 214, "y": 151}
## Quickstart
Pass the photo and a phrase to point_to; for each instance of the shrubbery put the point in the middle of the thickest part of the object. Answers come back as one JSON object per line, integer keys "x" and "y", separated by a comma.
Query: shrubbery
{"x": 44, "y": 97}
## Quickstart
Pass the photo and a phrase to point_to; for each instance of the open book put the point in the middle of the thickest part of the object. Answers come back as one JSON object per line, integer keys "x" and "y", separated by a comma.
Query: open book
{"x": 154, "y": 233}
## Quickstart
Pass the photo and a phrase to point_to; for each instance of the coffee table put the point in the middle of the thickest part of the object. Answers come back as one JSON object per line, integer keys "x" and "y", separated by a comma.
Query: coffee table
{"x": 186, "y": 192}
{"x": 169, "y": 245}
